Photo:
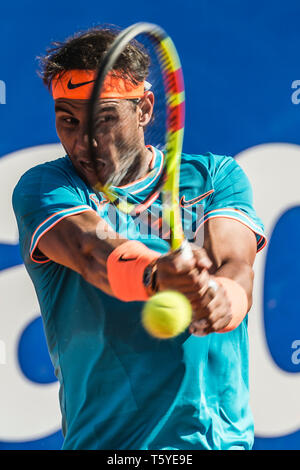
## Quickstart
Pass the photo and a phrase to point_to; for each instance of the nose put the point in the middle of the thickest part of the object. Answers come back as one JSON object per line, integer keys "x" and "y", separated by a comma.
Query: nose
{"x": 84, "y": 155}
{"x": 82, "y": 142}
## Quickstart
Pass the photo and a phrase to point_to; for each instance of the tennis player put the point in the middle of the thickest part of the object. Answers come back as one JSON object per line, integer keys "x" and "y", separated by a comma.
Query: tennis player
{"x": 119, "y": 387}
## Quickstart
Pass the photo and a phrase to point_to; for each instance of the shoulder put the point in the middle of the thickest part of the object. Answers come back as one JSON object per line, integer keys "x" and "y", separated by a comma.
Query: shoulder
{"x": 48, "y": 177}
{"x": 207, "y": 163}
{"x": 47, "y": 182}
{"x": 217, "y": 168}
{"x": 204, "y": 167}
{"x": 53, "y": 169}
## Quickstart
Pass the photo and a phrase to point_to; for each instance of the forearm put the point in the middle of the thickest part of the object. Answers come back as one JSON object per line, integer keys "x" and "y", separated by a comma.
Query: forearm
{"x": 93, "y": 270}
{"x": 110, "y": 262}
{"x": 82, "y": 243}
{"x": 89, "y": 246}
{"x": 96, "y": 247}
{"x": 239, "y": 271}
{"x": 124, "y": 271}
{"x": 232, "y": 249}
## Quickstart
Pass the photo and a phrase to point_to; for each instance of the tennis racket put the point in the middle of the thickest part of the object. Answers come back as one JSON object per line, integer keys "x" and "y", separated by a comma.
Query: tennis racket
{"x": 166, "y": 77}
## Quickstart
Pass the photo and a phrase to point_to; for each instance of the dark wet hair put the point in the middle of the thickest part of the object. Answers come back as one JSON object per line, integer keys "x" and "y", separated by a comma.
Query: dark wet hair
{"x": 85, "y": 50}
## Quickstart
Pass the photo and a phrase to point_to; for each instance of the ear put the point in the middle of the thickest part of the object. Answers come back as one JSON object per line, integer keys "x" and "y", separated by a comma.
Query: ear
{"x": 146, "y": 108}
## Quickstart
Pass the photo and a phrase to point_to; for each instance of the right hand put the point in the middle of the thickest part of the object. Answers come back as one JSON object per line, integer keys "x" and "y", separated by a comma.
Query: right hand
{"x": 190, "y": 277}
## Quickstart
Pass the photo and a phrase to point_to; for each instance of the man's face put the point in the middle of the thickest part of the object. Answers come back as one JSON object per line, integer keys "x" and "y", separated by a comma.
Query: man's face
{"x": 118, "y": 141}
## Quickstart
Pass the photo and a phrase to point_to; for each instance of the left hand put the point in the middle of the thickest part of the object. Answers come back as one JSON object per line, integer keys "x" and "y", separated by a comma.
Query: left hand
{"x": 212, "y": 312}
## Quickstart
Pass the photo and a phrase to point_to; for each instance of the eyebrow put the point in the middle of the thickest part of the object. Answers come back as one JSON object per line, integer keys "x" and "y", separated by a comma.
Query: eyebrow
{"x": 102, "y": 108}
{"x": 107, "y": 108}
{"x": 60, "y": 107}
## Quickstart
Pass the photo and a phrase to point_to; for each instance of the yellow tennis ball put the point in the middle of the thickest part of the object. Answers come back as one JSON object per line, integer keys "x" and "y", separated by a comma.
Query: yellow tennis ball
{"x": 167, "y": 314}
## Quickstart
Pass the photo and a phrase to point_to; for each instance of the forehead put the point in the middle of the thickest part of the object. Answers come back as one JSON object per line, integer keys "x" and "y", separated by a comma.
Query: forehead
{"x": 77, "y": 106}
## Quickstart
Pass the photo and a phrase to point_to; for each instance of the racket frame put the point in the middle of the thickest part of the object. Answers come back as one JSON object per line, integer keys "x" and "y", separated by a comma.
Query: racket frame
{"x": 168, "y": 182}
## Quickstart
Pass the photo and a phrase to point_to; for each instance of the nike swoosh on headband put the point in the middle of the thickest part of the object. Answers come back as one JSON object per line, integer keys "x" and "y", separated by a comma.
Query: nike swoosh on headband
{"x": 191, "y": 202}
{"x": 126, "y": 259}
{"x": 72, "y": 86}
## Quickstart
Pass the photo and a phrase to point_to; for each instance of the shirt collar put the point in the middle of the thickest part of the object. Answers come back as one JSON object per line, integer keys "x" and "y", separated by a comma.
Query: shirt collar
{"x": 149, "y": 179}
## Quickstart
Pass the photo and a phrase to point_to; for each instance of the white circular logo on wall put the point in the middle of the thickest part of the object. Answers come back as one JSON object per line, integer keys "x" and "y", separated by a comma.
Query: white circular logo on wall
{"x": 273, "y": 170}
{"x": 28, "y": 410}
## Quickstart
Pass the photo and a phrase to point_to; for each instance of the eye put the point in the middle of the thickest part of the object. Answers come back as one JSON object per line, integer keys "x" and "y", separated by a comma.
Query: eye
{"x": 70, "y": 121}
{"x": 106, "y": 118}
{"x": 67, "y": 121}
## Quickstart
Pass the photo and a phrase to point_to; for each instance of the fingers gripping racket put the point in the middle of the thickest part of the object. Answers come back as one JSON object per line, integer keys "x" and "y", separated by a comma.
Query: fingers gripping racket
{"x": 165, "y": 64}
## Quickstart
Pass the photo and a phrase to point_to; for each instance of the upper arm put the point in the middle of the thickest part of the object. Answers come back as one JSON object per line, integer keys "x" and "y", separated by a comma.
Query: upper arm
{"x": 79, "y": 242}
{"x": 233, "y": 233}
{"x": 55, "y": 224}
{"x": 42, "y": 199}
{"x": 232, "y": 248}
{"x": 65, "y": 242}
{"x": 229, "y": 240}
{"x": 232, "y": 201}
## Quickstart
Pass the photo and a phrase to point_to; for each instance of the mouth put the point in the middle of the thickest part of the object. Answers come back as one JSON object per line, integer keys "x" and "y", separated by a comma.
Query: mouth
{"x": 107, "y": 171}
{"x": 89, "y": 166}
{"x": 104, "y": 171}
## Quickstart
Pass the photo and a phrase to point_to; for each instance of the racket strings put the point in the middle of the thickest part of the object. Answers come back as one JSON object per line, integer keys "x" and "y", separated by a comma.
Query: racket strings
{"x": 120, "y": 156}
{"x": 119, "y": 140}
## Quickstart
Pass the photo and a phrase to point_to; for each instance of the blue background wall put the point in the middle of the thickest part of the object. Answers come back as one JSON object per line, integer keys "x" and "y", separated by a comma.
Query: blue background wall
{"x": 239, "y": 61}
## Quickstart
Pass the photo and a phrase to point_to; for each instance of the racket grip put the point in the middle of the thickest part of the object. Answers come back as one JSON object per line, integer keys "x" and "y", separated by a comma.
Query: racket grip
{"x": 186, "y": 250}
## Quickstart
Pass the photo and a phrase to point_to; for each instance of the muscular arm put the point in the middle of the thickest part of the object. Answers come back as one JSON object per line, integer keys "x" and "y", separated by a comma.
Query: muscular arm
{"x": 83, "y": 243}
{"x": 231, "y": 246}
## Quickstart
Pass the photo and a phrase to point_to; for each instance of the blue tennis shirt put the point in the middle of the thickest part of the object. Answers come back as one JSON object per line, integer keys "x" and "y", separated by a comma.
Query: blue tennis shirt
{"x": 119, "y": 387}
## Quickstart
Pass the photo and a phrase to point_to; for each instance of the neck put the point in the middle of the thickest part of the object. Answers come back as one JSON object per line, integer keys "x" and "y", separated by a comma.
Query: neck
{"x": 138, "y": 168}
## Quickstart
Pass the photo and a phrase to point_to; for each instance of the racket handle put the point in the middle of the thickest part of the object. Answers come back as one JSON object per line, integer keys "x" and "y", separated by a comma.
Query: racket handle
{"x": 186, "y": 250}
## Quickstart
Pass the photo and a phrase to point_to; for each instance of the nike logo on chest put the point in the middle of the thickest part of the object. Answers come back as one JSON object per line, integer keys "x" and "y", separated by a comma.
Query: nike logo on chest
{"x": 195, "y": 200}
